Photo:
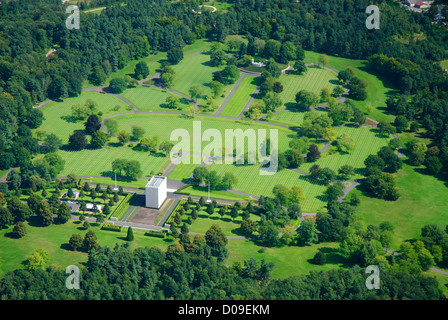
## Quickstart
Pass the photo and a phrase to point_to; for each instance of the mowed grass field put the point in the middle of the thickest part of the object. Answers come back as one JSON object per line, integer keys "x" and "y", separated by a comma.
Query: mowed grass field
{"x": 378, "y": 89}
{"x": 367, "y": 142}
{"x": 152, "y": 99}
{"x": 99, "y": 161}
{"x": 58, "y": 119}
{"x": 229, "y": 226}
{"x": 423, "y": 201}
{"x": 163, "y": 125}
{"x": 218, "y": 194}
{"x": 197, "y": 70}
{"x": 288, "y": 260}
{"x": 184, "y": 171}
{"x": 240, "y": 98}
{"x": 54, "y": 238}
{"x": 444, "y": 64}
{"x": 153, "y": 61}
{"x": 315, "y": 79}
{"x": 252, "y": 182}
{"x": 289, "y": 118}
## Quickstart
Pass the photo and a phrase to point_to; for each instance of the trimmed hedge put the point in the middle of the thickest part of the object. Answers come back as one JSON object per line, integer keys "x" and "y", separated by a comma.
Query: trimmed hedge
{"x": 111, "y": 227}
{"x": 120, "y": 210}
{"x": 157, "y": 234}
{"x": 179, "y": 205}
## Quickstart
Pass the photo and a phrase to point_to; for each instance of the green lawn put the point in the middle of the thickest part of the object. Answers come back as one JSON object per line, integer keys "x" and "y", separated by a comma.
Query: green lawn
{"x": 229, "y": 226}
{"x": 197, "y": 70}
{"x": 422, "y": 202}
{"x": 139, "y": 183}
{"x": 153, "y": 61}
{"x": 198, "y": 46}
{"x": 289, "y": 260}
{"x": 313, "y": 80}
{"x": 152, "y": 99}
{"x": 250, "y": 181}
{"x": 184, "y": 171}
{"x": 290, "y": 118}
{"x": 441, "y": 278}
{"x": 54, "y": 239}
{"x": 219, "y": 194}
{"x": 163, "y": 125}
{"x": 240, "y": 98}
{"x": 222, "y": 6}
{"x": 99, "y": 161}
{"x": 444, "y": 64}
{"x": 367, "y": 142}
{"x": 378, "y": 89}
{"x": 58, "y": 119}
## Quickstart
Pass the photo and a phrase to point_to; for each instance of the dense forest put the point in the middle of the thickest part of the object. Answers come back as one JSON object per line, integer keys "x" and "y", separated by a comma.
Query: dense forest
{"x": 147, "y": 274}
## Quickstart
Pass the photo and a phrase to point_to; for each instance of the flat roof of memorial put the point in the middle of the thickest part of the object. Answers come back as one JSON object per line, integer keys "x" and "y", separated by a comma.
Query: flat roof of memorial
{"x": 155, "y": 181}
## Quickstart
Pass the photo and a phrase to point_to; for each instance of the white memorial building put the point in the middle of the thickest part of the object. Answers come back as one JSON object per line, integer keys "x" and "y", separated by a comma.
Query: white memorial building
{"x": 156, "y": 192}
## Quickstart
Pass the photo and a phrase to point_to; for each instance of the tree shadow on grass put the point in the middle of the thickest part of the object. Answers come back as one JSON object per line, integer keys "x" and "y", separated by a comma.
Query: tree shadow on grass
{"x": 238, "y": 232}
{"x": 333, "y": 257}
{"x": 10, "y": 235}
{"x": 311, "y": 180}
{"x": 66, "y": 246}
{"x": 335, "y": 82}
{"x": 34, "y": 222}
{"x": 70, "y": 119}
{"x": 360, "y": 171}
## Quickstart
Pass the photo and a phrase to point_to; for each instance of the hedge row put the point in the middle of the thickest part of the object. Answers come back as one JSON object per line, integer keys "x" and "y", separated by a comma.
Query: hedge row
{"x": 111, "y": 227}
{"x": 120, "y": 210}
{"x": 157, "y": 234}
{"x": 179, "y": 205}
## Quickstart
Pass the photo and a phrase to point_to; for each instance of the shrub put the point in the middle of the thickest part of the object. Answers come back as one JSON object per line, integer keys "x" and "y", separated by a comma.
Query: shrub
{"x": 157, "y": 234}
{"x": 19, "y": 229}
{"x": 320, "y": 258}
{"x": 111, "y": 227}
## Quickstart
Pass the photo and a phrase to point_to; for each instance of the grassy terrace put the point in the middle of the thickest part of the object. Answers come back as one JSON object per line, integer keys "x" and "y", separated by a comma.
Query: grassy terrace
{"x": 153, "y": 61}
{"x": 184, "y": 171}
{"x": 251, "y": 181}
{"x": 219, "y": 194}
{"x": 152, "y": 99}
{"x": 314, "y": 80}
{"x": 378, "y": 89}
{"x": 290, "y": 118}
{"x": 162, "y": 125}
{"x": 444, "y": 64}
{"x": 422, "y": 202}
{"x": 54, "y": 239}
{"x": 288, "y": 260}
{"x": 241, "y": 97}
{"x": 204, "y": 221}
{"x": 367, "y": 142}
{"x": 99, "y": 161}
{"x": 197, "y": 70}
{"x": 58, "y": 119}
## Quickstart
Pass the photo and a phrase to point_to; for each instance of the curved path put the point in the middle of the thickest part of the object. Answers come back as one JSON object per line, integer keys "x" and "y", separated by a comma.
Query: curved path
{"x": 102, "y": 89}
